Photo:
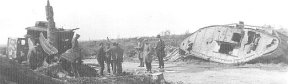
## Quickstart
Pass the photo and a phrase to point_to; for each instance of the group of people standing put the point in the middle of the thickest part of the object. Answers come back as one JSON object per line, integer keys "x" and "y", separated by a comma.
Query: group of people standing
{"x": 112, "y": 55}
{"x": 145, "y": 53}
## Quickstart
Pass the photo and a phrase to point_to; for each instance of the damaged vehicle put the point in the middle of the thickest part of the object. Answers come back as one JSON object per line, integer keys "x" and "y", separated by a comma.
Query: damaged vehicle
{"x": 43, "y": 46}
{"x": 234, "y": 43}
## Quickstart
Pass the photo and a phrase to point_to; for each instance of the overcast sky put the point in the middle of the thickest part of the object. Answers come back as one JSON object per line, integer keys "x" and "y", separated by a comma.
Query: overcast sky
{"x": 98, "y": 19}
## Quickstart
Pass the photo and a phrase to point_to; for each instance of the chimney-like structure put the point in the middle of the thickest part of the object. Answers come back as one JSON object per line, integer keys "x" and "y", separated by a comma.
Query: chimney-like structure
{"x": 51, "y": 30}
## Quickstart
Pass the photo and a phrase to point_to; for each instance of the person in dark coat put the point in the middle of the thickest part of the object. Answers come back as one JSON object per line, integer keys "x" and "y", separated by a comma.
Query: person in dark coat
{"x": 160, "y": 51}
{"x": 101, "y": 58}
{"x": 147, "y": 54}
{"x": 120, "y": 53}
{"x": 117, "y": 58}
{"x": 112, "y": 50}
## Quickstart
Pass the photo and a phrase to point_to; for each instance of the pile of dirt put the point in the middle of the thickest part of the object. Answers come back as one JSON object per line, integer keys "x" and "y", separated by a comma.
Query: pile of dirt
{"x": 56, "y": 71}
{"x": 12, "y": 71}
{"x": 112, "y": 80}
{"x": 86, "y": 71}
{"x": 127, "y": 79}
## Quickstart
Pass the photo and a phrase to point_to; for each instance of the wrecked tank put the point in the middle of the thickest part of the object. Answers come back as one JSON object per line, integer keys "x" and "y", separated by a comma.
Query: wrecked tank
{"x": 17, "y": 48}
{"x": 50, "y": 40}
{"x": 234, "y": 43}
{"x": 42, "y": 48}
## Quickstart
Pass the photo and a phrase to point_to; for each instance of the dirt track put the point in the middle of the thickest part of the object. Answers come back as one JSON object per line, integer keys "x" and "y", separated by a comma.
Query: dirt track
{"x": 213, "y": 73}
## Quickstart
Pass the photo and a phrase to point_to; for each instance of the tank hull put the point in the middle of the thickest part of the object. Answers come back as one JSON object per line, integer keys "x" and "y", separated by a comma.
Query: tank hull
{"x": 230, "y": 44}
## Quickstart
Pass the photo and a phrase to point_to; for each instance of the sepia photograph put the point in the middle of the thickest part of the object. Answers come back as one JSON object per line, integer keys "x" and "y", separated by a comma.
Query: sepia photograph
{"x": 144, "y": 42}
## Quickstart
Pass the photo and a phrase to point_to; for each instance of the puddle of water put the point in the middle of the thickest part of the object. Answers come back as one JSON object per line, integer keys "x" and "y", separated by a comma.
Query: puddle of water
{"x": 170, "y": 71}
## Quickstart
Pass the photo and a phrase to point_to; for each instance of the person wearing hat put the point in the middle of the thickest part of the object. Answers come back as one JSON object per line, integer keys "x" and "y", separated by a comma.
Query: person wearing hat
{"x": 101, "y": 58}
{"x": 160, "y": 51}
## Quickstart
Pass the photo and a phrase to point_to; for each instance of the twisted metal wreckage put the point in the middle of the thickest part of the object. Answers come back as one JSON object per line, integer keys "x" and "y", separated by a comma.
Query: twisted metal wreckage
{"x": 57, "y": 42}
{"x": 47, "y": 42}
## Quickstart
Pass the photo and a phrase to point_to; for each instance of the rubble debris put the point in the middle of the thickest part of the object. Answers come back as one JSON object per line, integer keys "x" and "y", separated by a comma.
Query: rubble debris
{"x": 158, "y": 78}
{"x": 126, "y": 79}
{"x": 51, "y": 40}
{"x": 53, "y": 70}
{"x": 56, "y": 71}
{"x": 87, "y": 71}
{"x": 13, "y": 72}
{"x": 174, "y": 54}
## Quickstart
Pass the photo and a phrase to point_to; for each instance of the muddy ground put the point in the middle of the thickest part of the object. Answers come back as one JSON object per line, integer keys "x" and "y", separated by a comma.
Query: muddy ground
{"x": 213, "y": 73}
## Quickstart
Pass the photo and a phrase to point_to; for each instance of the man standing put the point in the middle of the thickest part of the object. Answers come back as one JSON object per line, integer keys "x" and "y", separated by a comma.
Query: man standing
{"x": 113, "y": 51}
{"x": 72, "y": 57}
{"x": 108, "y": 57}
{"x": 139, "y": 50}
{"x": 101, "y": 57}
{"x": 147, "y": 54}
{"x": 119, "y": 55}
{"x": 117, "y": 58}
{"x": 160, "y": 51}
